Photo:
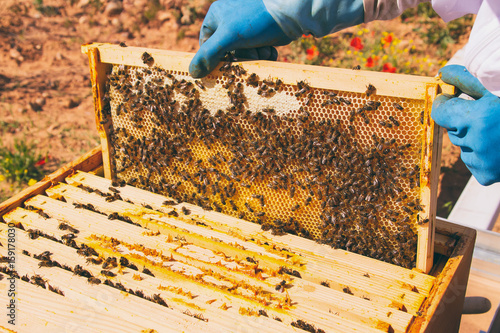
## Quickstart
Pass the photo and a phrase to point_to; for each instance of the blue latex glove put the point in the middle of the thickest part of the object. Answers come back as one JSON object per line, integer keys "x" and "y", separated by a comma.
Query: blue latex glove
{"x": 253, "y": 27}
{"x": 243, "y": 25}
{"x": 473, "y": 125}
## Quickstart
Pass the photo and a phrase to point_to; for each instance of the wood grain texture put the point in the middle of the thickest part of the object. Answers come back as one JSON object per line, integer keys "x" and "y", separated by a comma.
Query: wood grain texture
{"x": 429, "y": 181}
{"x": 228, "y": 224}
{"x": 381, "y": 291}
{"x": 443, "y": 310}
{"x": 98, "y": 77}
{"x": 397, "y": 85}
{"x": 438, "y": 308}
{"x": 313, "y": 301}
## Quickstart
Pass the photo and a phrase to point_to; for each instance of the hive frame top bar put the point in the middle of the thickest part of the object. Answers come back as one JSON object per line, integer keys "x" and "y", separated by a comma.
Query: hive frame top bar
{"x": 396, "y": 85}
{"x": 392, "y": 85}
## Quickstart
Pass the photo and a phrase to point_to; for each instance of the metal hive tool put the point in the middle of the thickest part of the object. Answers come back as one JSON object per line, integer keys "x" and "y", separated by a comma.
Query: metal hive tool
{"x": 340, "y": 156}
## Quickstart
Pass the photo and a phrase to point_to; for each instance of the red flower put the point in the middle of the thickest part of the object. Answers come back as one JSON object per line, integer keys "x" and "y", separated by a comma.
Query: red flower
{"x": 369, "y": 62}
{"x": 306, "y": 36}
{"x": 387, "y": 39}
{"x": 356, "y": 43}
{"x": 388, "y": 68}
{"x": 312, "y": 52}
{"x": 42, "y": 161}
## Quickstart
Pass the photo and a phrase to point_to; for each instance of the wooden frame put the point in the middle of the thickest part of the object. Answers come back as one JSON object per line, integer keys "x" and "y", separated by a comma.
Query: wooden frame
{"x": 440, "y": 312}
{"x": 88, "y": 162}
{"x": 102, "y": 56}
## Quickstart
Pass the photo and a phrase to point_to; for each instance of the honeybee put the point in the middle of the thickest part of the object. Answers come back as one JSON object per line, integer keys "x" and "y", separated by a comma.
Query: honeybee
{"x": 345, "y": 101}
{"x": 38, "y": 280}
{"x": 147, "y": 59}
{"x": 56, "y": 290}
{"x": 370, "y": 90}
{"x": 79, "y": 270}
{"x": 94, "y": 261}
{"x": 107, "y": 273}
{"x": 253, "y": 80}
{"x": 248, "y": 207}
{"x": 397, "y": 106}
{"x": 268, "y": 82}
{"x": 93, "y": 280}
{"x": 277, "y": 84}
{"x": 281, "y": 286}
{"x": 394, "y": 121}
{"x": 147, "y": 271}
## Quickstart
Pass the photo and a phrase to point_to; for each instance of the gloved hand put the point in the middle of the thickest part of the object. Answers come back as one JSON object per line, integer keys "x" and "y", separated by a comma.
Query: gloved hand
{"x": 473, "y": 125}
{"x": 243, "y": 25}
{"x": 253, "y": 27}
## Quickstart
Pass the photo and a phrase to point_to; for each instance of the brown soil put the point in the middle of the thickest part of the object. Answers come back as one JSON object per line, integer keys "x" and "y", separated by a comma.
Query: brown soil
{"x": 45, "y": 93}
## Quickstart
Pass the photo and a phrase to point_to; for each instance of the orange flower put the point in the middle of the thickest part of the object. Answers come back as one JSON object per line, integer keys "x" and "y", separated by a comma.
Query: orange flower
{"x": 357, "y": 44}
{"x": 388, "y": 68}
{"x": 312, "y": 52}
{"x": 387, "y": 40}
{"x": 369, "y": 62}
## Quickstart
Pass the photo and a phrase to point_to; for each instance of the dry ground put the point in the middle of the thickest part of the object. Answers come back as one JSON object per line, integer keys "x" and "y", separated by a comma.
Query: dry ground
{"x": 45, "y": 94}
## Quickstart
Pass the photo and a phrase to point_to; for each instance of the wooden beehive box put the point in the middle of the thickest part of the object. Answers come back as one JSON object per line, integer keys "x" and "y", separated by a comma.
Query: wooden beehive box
{"x": 212, "y": 272}
{"x": 347, "y": 158}
{"x": 121, "y": 257}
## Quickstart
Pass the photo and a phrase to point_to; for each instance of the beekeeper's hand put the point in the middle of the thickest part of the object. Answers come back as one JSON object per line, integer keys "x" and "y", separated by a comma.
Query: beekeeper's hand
{"x": 253, "y": 27}
{"x": 473, "y": 125}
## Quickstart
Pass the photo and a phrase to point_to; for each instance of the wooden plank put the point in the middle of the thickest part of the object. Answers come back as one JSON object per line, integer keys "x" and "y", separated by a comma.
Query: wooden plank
{"x": 87, "y": 162}
{"x": 59, "y": 313}
{"x": 309, "y": 249}
{"x": 381, "y": 291}
{"x": 33, "y": 220}
{"x": 446, "y": 234}
{"x": 114, "y": 310}
{"x": 98, "y": 171}
{"x": 443, "y": 244}
{"x": 98, "y": 77}
{"x": 443, "y": 309}
{"x": 348, "y": 306}
{"x": 220, "y": 320}
{"x": 429, "y": 181}
{"x": 127, "y": 192}
{"x": 397, "y": 85}
{"x": 260, "y": 257}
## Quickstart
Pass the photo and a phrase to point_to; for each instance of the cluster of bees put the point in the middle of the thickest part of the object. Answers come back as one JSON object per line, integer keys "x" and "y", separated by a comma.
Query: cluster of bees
{"x": 306, "y": 326}
{"x": 298, "y": 172}
{"x": 92, "y": 257}
{"x": 35, "y": 279}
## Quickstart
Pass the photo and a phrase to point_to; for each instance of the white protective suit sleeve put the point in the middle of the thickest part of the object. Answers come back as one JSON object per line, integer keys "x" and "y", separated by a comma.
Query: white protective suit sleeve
{"x": 482, "y": 53}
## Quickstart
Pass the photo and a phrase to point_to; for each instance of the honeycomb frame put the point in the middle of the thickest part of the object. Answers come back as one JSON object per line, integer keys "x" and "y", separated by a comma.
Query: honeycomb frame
{"x": 405, "y": 101}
